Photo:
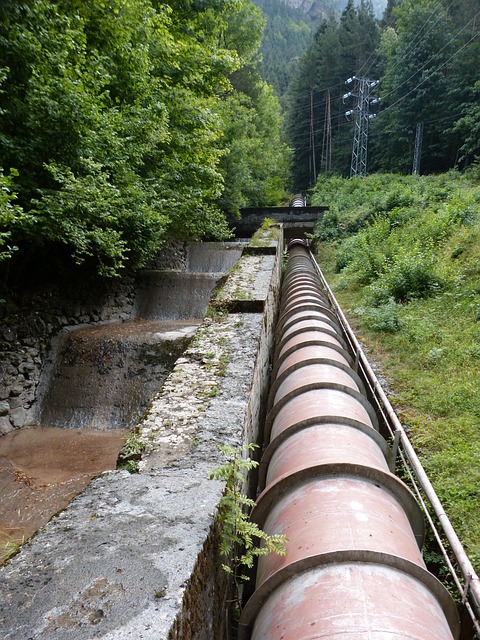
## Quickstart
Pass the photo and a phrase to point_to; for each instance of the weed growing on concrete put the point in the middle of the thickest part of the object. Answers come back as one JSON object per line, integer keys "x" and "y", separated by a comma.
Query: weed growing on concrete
{"x": 131, "y": 452}
{"x": 267, "y": 223}
{"x": 216, "y": 312}
{"x": 241, "y": 539}
{"x": 212, "y": 392}
{"x": 9, "y": 546}
{"x": 223, "y": 362}
{"x": 268, "y": 232}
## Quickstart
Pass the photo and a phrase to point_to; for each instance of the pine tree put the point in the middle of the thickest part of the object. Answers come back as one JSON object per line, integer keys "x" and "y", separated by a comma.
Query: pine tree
{"x": 339, "y": 50}
{"x": 414, "y": 89}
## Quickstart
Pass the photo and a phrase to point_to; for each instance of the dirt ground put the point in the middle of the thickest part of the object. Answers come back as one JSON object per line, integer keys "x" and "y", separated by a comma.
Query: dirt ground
{"x": 42, "y": 469}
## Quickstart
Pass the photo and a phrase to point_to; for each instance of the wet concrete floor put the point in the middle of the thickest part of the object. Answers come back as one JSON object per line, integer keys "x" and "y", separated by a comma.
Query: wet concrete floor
{"x": 42, "y": 469}
{"x": 114, "y": 372}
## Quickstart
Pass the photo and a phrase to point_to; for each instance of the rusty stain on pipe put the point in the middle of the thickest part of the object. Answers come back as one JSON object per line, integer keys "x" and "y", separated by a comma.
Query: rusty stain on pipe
{"x": 353, "y": 566}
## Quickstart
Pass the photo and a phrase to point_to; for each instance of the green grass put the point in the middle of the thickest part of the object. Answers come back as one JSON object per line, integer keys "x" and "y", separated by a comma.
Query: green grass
{"x": 9, "y": 545}
{"x": 426, "y": 340}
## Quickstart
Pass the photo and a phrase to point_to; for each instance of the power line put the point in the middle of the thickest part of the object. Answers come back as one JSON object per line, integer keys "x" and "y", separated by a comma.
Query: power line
{"x": 390, "y": 106}
{"x": 410, "y": 49}
{"x": 335, "y": 120}
{"x": 417, "y": 36}
{"x": 430, "y": 60}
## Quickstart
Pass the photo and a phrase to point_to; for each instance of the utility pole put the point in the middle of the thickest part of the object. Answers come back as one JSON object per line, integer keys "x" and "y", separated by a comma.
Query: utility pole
{"x": 417, "y": 154}
{"x": 361, "y": 113}
{"x": 327, "y": 136}
{"x": 313, "y": 166}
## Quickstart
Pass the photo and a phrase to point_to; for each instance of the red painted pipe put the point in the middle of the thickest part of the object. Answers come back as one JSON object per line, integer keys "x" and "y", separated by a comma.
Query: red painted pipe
{"x": 353, "y": 567}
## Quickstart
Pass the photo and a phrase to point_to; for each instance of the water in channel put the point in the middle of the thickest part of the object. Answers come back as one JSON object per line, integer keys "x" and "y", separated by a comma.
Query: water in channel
{"x": 98, "y": 383}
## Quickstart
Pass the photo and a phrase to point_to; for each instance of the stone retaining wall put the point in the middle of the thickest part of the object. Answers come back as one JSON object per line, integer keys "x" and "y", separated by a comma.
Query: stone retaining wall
{"x": 26, "y": 335}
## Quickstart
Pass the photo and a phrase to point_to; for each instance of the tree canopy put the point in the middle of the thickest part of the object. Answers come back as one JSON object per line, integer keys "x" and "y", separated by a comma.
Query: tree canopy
{"x": 316, "y": 112}
{"x": 116, "y": 121}
{"x": 426, "y": 55}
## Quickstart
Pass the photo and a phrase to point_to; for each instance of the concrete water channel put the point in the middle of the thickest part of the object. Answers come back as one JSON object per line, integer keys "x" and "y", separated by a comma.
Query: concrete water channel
{"x": 94, "y": 386}
{"x": 136, "y": 555}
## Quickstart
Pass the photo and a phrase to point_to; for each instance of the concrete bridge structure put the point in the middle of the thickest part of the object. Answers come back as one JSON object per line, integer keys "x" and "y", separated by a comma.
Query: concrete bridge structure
{"x": 296, "y": 221}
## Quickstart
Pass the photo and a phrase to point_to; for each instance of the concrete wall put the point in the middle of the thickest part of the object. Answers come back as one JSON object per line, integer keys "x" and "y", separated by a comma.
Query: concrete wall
{"x": 28, "y": 336}
{"x": 209, "y": 596}
{"x": 137, "y": 556}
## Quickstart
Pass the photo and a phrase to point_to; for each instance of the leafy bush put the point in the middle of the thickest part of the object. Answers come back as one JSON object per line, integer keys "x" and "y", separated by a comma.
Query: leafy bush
{"x": 358, "y": 201}
{"x": 383, "y": 318}
{"x": 12, "y": 216}
{"x": 405, "y": 224}
{"x": 362, "y": 256}
{"x": 328, "y": 228}
{"x": 412, "y": 274}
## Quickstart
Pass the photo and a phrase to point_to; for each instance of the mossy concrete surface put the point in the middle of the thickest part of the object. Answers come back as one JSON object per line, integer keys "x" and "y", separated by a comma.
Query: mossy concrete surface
{"x": 136, "y": 555}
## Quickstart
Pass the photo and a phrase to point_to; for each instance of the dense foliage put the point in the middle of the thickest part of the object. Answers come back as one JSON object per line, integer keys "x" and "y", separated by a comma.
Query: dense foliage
{"x": 428, "y": 63}
{"x": 403, "y": 256}
{"x": 124, "y": 123}
{"x": 426, "y": 55}
{"x": 287, "y": 34}
{"x": 316, "y": 112}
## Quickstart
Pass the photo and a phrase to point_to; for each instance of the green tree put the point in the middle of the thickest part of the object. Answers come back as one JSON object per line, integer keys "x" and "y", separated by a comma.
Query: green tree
{"x": 462, "y": 128}
{"x": 11, "y": 215}
{"x": 468, "y": 126}
{"x": 256, "y": 163}
{"x": 114, "y": 116}
{"x": 414, "y": 89}
{"x": 388, "y": 18}
{"x": 339, "y": 50}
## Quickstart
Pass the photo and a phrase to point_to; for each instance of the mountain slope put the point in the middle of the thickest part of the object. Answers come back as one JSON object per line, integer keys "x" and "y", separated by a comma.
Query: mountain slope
{"x": 290, "y": 25}
{"x": 323, "y": 8}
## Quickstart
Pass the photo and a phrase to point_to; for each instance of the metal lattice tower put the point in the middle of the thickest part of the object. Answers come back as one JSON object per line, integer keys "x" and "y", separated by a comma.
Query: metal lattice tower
{"x": 361, "y": 92}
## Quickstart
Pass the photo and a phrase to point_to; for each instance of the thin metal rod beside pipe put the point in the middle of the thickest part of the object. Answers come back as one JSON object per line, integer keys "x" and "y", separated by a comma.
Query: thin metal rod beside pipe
{"x": 471, "y": 578}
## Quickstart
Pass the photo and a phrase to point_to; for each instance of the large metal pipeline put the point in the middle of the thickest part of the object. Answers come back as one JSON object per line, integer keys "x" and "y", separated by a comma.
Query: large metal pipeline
{"x": 353, "y": 567}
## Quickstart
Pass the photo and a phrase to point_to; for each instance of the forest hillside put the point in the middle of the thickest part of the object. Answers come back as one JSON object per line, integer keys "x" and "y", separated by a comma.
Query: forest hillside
{"x": 289, "y": 27}
{"x": 393, "y": 91}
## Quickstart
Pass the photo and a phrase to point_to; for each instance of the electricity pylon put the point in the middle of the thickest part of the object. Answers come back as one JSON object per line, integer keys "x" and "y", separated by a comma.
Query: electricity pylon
{"x": 361, "y": 113}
